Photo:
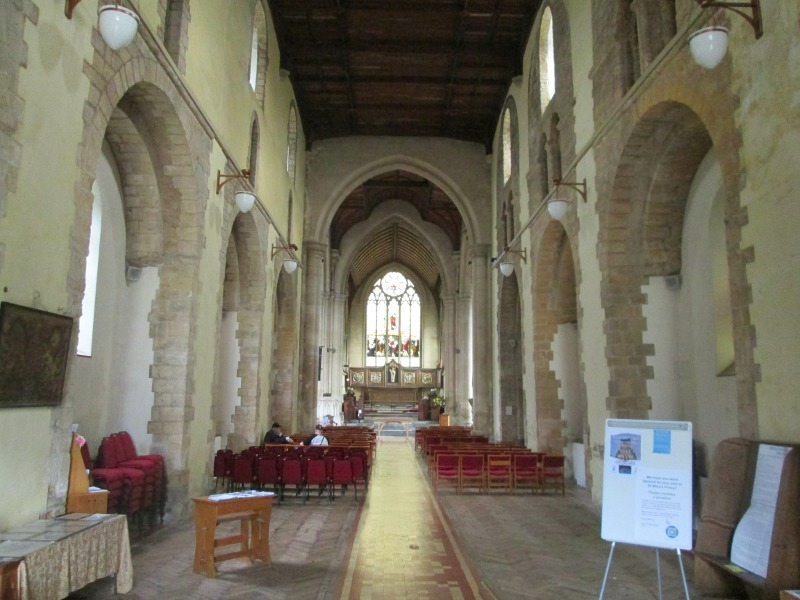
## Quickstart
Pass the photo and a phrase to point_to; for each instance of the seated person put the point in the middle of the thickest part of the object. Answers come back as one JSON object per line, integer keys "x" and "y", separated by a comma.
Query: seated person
{"x": 275, "y": 435}
{"x": 318, "y": 439}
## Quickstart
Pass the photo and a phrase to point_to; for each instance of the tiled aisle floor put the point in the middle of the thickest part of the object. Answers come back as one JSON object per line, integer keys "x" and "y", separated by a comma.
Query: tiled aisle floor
{"x": 398, "y": 544}
{"x": 403, "y": 546}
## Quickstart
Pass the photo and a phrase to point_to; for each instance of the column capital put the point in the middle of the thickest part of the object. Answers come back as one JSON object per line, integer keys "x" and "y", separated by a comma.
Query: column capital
{"x": 480, "y": 251}
{"x": 314, "y": 247}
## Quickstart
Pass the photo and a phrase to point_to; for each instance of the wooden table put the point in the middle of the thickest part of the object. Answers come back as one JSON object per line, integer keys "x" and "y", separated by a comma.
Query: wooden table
{"x": 252, "y": 510}
{"x": 48, "y": 559}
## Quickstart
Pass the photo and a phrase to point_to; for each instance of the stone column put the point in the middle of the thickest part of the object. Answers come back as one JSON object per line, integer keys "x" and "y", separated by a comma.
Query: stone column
{"x": 481, "y": 341}
{"x": 447, "y": 356}
{"x": 313, "y": 304}
{"x": 462, "y": 363}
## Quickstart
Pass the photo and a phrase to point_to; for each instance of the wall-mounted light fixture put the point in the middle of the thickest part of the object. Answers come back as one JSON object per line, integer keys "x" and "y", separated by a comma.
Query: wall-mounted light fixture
{"x": 506, "y": 266}
{"x": 117, "y": 24}
{"x": 244, "y": 199}
{"x": 709, "y": 45}
{"x": 289, "y": 264}
{"x": 557, "y": 205}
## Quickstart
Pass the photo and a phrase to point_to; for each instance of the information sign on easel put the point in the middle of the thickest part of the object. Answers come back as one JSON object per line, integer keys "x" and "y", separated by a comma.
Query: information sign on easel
{"x": 647, "y": 487}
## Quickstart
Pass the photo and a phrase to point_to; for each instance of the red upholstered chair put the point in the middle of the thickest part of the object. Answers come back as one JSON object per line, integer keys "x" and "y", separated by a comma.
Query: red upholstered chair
{"x": 316, "y": 475}
{"x": 343, "y": 475}
{"x": 267, "y": 472}
{"x": 498, "y": 472}
{"x": 160, "y": 479}
{"x": 242, "y": 475}
{"x": 447, "y": 470}
{"x": 111, "y": 480}
{"x": 527, "y": 472}
{"x": 473, "y": 472}
{"x": 132, "y": 500}
{"x": 291, "y": 474}
{"x": 223, "y": 463}
{"x": 127, "y": 459}
{"x": 553, "y": 472}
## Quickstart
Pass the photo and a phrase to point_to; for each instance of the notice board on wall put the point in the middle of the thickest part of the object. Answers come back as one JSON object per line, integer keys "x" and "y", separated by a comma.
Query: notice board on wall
{"x": 647, "y": 483}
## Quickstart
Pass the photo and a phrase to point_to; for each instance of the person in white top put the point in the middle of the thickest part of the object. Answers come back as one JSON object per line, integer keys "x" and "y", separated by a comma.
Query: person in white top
{"x": 318, "y": 439}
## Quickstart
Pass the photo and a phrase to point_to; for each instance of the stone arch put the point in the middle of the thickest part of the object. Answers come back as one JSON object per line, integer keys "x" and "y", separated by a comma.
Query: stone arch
{"x": 252, "y": 290}
{"x": 511, "y": 416}
{"x": 555, "y": 303}
{"x": 643, "y": 239}
{"x": 385, "y": 214}
{"x": 180, "y": 157}
{"x": 284, "y": 344}
{"x": 393, "y": 163}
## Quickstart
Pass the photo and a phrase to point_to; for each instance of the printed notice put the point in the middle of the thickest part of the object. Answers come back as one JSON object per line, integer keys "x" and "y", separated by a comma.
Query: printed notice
{"x": 753, "y": 536}
{"x": 663, "y": 508}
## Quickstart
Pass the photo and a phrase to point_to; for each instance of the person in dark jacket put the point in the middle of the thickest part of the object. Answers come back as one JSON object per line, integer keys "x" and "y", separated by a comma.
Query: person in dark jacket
{"x": 275, "y": 435}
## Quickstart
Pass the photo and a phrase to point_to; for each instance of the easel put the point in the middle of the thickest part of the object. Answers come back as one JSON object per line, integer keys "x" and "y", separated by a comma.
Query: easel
{"x": 658, "y": 571}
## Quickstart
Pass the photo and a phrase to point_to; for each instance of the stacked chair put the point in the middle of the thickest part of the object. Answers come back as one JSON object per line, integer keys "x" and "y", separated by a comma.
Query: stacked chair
{"x": 136, "y": 483}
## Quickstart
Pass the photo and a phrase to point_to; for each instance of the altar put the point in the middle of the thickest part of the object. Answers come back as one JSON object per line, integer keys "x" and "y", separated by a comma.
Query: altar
{"x": 392, "y": 384}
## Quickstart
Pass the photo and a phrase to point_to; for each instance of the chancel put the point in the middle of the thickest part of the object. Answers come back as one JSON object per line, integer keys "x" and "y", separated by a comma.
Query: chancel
{"x": 459, "y": 235}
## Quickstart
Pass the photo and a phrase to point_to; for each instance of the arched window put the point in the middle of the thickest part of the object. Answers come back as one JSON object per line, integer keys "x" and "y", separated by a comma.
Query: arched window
{"x": 86, "y": 322}
{"x": 257, "y": 74}
{"x": 252, "y": 160}
{"x": 547, "y": 59}
{"x": 291, "y": 143}
{"x": 506, "y": 142}
{"x": 393, "y": 322}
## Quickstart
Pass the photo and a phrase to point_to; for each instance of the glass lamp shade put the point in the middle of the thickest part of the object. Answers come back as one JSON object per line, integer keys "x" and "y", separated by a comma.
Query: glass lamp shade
{"x": 117, "y": 24}
{"x": 245, "y": 201}
{"x": 557, "y": 208}
{"x": 290, "y": 265}
{"x": 708, "y": 46}
{"x": 507, "y": 269}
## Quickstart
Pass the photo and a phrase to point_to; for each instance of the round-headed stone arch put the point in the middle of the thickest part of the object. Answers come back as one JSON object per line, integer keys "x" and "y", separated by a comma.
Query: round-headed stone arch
{"x": 641, "y": 226}
{"x": 284, "y": 344}
{"x": 555, "y": 303}
{"x": 179, "y": 149}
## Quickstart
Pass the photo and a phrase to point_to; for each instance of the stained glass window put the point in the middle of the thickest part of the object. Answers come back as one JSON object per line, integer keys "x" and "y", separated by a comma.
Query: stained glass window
{"x": 394, "y": 322}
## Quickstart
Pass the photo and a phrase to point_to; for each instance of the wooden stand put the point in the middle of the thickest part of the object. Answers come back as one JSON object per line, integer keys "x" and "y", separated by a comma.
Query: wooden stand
{"x": 253, "y": 514}
{"x": 728, "y": 496}
{"x": 79, "y": 498}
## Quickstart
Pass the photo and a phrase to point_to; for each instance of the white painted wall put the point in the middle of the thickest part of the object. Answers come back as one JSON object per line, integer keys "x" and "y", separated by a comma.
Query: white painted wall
{"x": 565, "y": 365}
{"x": 113, "y": 386}
{"x": 226, "y": 396}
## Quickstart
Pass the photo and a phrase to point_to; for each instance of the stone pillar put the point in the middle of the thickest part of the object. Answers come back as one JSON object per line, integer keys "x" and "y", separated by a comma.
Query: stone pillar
{"x": 481, "y": 341}
{"x": 313, "y": 304}
{"x": 447, "y": 354}
{"x": 337, "y": 339}
{"x": 463, "y": 375}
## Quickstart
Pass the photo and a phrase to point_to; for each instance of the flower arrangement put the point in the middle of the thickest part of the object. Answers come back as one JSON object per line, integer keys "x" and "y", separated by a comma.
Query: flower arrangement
{"x": 437, "y": 401}
{"x": 80, "y": 440}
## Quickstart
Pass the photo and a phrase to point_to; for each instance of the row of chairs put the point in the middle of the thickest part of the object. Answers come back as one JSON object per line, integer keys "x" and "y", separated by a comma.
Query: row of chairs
{"x": 510, "y": 472}
{"x": 302, "y": 471}
{"x": 136, "y": 484}
{"x": 454, "y": 431}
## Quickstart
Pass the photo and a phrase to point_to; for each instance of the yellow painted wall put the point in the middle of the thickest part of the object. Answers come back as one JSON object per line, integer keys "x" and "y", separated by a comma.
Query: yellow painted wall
{"x": 35, "y": 266}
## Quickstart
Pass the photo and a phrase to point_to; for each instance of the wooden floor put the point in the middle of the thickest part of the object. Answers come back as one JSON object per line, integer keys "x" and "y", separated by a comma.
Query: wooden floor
{"x": 404, "y": 541}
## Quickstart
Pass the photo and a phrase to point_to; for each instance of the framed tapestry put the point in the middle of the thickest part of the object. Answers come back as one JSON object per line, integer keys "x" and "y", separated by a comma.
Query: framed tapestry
{"x": 34, "y": 347}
